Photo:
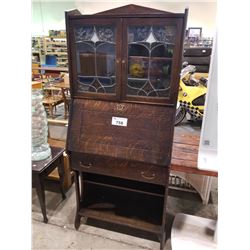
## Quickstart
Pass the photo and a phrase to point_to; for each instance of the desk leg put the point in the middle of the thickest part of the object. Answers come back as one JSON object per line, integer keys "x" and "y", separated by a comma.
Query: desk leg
{"x": 164, "y": 215}
{"x": 41, "y": 195}
{"x": 77, "y": 217}
{"x": 81, "y": 187}
{"x": 61, "y": 175}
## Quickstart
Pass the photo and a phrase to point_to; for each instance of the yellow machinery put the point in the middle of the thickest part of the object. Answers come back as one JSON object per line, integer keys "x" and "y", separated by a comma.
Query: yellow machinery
{"x": 192, "y": 93}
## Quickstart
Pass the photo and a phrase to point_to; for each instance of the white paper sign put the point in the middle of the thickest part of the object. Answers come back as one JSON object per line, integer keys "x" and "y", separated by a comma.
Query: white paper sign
{"x": 119, "y": 121}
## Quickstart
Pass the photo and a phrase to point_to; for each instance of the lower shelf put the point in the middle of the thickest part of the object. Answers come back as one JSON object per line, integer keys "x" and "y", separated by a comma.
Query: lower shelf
{"x": 124, "y": 206}
{"x": 111, "y": 217}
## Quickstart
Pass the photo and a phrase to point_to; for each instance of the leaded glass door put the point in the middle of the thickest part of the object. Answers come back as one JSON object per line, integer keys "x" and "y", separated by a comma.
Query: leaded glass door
{"x": 96, "y": 68}
{"x": 150, "y": 59}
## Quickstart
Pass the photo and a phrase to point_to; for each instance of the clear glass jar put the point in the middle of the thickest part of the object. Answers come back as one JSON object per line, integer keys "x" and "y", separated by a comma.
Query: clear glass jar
{"x": 40, "y": 147}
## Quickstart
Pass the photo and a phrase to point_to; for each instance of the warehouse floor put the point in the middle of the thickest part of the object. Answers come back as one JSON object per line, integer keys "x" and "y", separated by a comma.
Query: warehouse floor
{"x": 60, "y": 233}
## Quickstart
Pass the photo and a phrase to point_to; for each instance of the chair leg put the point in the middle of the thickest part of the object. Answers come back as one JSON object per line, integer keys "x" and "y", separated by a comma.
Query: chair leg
{"x": 51, "y": 111}
{"x": 65, "y": 110}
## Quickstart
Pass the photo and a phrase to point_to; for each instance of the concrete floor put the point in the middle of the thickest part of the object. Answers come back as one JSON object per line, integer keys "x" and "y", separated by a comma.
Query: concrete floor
{"x": 60, "y": 233}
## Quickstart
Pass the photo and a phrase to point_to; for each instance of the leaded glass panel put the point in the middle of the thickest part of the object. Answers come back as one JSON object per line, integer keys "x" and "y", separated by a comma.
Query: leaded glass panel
{"x": 150, "y": 54}
{"x": 95, "y": 53}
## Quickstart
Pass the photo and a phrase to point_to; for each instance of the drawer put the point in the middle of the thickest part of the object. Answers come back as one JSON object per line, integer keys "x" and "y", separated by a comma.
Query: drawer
{"x": 114, "y": 167}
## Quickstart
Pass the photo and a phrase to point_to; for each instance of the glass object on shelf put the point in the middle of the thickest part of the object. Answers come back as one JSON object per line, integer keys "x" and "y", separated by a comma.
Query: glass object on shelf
{"x": 159, "y": 77}
{"x": 40, "y": 147}
{"x": 95, "y": 51}
{"x": 150, "y": 53}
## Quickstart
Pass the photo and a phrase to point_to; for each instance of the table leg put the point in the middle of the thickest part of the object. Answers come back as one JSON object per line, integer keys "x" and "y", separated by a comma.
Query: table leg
{"x": 164, "y": 216}
{"x": 39, "y": 183}
{"x": 61, "y": 176}
{"x": 162, "y": 240}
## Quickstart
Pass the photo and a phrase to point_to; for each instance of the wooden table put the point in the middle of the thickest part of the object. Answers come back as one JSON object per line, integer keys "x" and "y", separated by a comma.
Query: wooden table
{"x": 56, "y": 69}
{"x": 54, "y": 100}
{"x": 185, "y": 154}
{"x": 51, "y": 102}
{"x": 62, "y": 85}
{"x": 36, "y": 85}
{"x": 50, "y": 71}
{"x": 66, "y": 96}
{"x": 41, "y": 169}
{"x": 57, "y": 86}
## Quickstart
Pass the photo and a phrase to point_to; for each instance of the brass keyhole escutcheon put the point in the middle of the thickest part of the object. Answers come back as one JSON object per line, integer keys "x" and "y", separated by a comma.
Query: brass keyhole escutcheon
{"x": 120, "y": 107}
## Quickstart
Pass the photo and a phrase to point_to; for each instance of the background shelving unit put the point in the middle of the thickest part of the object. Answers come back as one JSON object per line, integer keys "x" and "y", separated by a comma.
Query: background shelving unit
{"x": 37, "y": 49}
{"x": 57, "y": 46}
{"x": 50, "y": 46}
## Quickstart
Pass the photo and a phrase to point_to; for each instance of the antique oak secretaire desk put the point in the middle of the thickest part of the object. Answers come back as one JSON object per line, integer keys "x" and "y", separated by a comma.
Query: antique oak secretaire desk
{"x": 124, "y": 67}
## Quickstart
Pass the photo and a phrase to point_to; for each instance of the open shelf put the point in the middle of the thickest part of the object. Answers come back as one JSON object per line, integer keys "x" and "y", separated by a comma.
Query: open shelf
{"x": 57, "y": 43}
{"x": 125, "y": 184}
{"x": 106, "y": 200}
{"x": 56, "y": 53}
{"x": 85, "y": 54}
{"x": 110, "y": 217}
{"x": 125, "y": 188}
{"x": 57, "y": 37}
{"x": 137, "y": 79}
{"x": 151, "y": 57}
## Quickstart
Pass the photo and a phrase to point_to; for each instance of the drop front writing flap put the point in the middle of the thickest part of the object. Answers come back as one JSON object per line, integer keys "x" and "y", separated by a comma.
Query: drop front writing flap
{"x": 128, "y": 131}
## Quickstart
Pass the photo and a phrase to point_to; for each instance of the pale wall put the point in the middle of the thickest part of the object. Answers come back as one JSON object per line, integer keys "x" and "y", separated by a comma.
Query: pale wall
{"x": 48, "y": 15}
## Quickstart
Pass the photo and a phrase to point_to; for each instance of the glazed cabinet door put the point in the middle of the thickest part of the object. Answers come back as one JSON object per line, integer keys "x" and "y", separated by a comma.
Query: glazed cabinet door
{"x": 151, "y": 59}
{"x": 95, "y": 54}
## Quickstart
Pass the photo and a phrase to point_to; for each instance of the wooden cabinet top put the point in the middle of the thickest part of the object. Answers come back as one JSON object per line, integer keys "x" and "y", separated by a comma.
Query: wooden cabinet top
{"x": 130, "y": 54}
{"x": 124, "y": 66}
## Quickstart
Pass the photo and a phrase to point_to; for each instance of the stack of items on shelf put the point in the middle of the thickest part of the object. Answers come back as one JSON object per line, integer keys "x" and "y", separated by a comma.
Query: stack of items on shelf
{"x": 57, "y": 33}
{"x": 50, "y": 50}
{"x": 199, "y": 42}
{"x": 56, "y": 51}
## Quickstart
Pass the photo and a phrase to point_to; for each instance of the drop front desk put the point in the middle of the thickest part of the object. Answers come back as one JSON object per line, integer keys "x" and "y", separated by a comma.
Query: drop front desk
{"x": 124, "y": 67}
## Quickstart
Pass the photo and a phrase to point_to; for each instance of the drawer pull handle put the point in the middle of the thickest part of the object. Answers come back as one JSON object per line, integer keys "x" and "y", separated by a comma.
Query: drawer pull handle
{"x": 148, "y": 177}
{"x": 89, "y": 165}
